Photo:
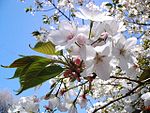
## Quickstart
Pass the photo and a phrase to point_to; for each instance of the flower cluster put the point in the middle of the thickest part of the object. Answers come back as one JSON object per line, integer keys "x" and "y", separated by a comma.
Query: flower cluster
{"x": 134, "y": 13}
{"x": 25, "y": 105}
{"x": 93, "y": 58}
{"x": 6, "y": 100}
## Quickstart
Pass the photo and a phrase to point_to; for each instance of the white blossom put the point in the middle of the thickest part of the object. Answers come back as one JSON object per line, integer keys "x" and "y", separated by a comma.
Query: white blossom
{"x": 146, "y": 98}
{"x": 92, "y": 12}
{"x": 97, "y": 60}
{"x": 122, "y": 50}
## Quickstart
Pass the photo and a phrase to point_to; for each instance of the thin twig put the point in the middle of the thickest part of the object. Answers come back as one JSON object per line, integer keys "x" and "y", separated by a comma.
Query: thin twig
{"x": 137, "y": 81}
{"x": 45, "y": 10}
{"x": 117, "y": 99}
{"x": 77, "y": 86}
{"x": 127, "y": 94}
{"x": 144, "y": 24}
{"x": 60, "y": 10}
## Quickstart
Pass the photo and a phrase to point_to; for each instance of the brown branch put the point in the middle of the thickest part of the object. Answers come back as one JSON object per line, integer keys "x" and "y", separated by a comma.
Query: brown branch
{"x": 127, "y": 94}
{"x": 144, "y": 24}
{"x": 117, "y": 99}
{"x": 137, "y": 81}
{"x": 59, "y": 10}
{"x": 145, "y": 81}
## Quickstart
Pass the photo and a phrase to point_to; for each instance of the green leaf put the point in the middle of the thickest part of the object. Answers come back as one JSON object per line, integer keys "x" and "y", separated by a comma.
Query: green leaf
{"x": 23, "y": 61}
{"x": 46, "y": 48}
{"x": 20, "y": 71}
{"x": 55, "y": 17}
{"x": 29, "y": 9}
{"x": 34, "y": 70}
{"x": 120, "y": 6}
{"x": 37, "y": 74}
{"x": 46, "y": 19}
{"x": 109, "y": 4}
{"x": 36, "y": 33}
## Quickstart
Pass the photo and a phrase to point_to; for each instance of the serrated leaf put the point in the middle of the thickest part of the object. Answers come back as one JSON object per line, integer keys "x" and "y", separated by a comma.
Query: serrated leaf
{"x": 23, "y": 61}
{"x": 20, "y": 71}
{"x": 45, "y": 48}
{"x": 34, "y": 70}
{"x": 37, "y": 74}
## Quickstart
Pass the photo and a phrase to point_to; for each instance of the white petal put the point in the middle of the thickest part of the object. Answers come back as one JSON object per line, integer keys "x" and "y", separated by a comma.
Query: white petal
{"x": 57, "y": 37}
{"x": 104, "y": 49}
{"x": 121, "y": 27}
{"x": 55, "y": 102}
{"x": 67, "y": 97}
{"x": 73, "y": 109}
{"x": 123, "y": 63}
{"x": 87, "y": 52}
{"x": 62, "y": 107}
{"x": 65, "y": 25}
{"x": 111, "y": 27}
{"x": 80, "y": 15}
{"x": 85, "y": 11}
{"x": 89, "y": 69}
{"x": 103, "y": 69}
{"x": 82, "y": 102}
{"x": 146, "y": 96}
{"x": 119, "y": 38}
{"x": 147, "y": 102}
{"x": 130, "y": 42}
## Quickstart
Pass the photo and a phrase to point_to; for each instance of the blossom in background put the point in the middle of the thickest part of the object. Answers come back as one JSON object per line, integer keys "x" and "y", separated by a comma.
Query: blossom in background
{"x": 25, "y": 105}
{"x": 146, "y": 98}
{"x": 99, "y": 60}
{"x": 6, "y": 100}
{"x": 82, "y": 101}
{"x": 66, "y": 4}
{"x": 73, "y": 109}
{"x": 92, "y": 12}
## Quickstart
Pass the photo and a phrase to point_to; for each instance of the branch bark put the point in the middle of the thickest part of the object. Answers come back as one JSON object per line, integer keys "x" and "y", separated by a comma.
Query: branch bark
{"x": 144, "y": 82}
{"x": 60, "y": 11}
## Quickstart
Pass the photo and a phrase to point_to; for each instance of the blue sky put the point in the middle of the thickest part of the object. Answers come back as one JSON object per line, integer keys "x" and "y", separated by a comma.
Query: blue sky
{"x": 16, "y": 27}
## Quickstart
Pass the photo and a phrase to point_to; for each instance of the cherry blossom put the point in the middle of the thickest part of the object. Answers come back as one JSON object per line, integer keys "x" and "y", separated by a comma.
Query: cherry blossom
{"x": 97, "y": 60}
{"x": 92, "y": 12}
{"x": 122, "y": 50}
{"x": 105, "y": 59}
{"x": 146, "y": 98}
{"x": 25, "y": 105}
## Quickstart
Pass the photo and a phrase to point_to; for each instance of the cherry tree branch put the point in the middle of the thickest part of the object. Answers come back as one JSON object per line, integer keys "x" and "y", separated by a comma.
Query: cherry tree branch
{"x": 138, "y": 23}
{"x": 45, "y": 10}
{"x": 127, "y": 94}
{"x": 137, "y": 81}
{"x": 60, "y": 11}
{"x": 144, "y": 24}
{"x": 117, "y": 99}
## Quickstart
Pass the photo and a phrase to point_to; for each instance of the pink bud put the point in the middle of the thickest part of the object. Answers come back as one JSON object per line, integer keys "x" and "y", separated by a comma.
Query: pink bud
{"x": 77, "y": 61}
{"x": 104, "y": 35}
{"x": 70, "y": 36}
{"x": 81, "y": 39}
